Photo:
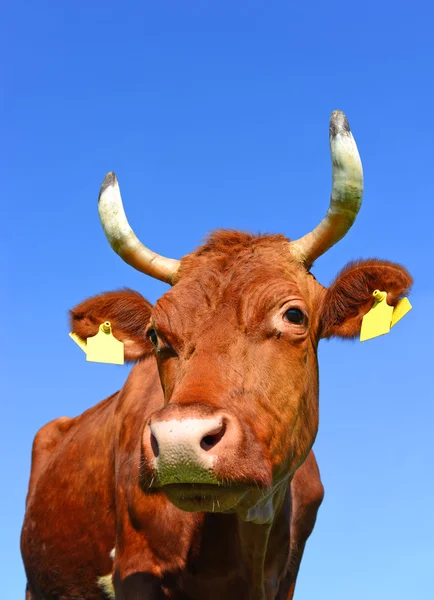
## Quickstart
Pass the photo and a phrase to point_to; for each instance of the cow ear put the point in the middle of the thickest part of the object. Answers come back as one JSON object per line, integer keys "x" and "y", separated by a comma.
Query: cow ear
{"x": 349, "y": 298}
{"x": 128, "y": 313}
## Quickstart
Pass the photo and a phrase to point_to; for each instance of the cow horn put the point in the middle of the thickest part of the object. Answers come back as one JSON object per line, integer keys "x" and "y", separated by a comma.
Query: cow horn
{"x": 122, "y": 238}
{"x": 346, "y": 196}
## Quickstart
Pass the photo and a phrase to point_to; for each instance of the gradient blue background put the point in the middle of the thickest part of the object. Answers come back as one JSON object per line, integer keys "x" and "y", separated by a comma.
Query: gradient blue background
{"x": 215, "y": 114}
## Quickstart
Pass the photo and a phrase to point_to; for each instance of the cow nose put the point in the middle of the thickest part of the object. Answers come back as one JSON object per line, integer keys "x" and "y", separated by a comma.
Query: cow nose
{"x": 205, "y": 433}
{"x": 185, "y": 450}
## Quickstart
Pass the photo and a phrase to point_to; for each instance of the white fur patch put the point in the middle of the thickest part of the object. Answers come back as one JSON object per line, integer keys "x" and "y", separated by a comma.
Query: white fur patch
{"x": 106, "y": 584}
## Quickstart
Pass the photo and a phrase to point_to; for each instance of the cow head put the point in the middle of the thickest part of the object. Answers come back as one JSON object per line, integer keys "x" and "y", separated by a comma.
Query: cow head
{"x": 235, "y": 340}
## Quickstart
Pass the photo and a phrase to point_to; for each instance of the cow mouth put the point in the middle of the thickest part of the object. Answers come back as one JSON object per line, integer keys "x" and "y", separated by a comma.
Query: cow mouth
{"x": 202, "y": 497}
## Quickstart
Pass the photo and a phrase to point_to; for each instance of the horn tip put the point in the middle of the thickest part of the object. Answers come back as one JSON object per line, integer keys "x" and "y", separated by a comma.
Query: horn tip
{"x": 110, "y": 180}
{"x": 339, "y": 124}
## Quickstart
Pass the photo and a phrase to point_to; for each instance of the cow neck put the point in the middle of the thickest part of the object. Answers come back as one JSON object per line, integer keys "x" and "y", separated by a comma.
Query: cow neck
{"x": 264, "y": 511}
{"x": 234, "y": 552}
{"x": 255, "y": 526}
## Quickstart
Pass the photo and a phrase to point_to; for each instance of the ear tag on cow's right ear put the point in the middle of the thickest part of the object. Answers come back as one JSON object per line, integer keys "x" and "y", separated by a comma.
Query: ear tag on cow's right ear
{"x": 378, "y": 320}
{"x": 79, "y": 341}
{"x": 104, "y": 347}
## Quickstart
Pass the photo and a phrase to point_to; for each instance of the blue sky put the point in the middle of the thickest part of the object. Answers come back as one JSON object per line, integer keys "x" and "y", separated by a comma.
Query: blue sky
{"x": 215, "y": 114}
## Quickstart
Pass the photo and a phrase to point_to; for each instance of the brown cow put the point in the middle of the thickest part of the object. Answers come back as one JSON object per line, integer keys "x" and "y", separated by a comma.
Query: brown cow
{"x": 197, "y": 479}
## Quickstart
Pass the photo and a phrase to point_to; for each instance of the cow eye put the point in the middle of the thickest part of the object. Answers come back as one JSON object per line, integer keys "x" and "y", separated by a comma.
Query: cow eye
{"x": 152, "y": 335}
{"x": 295, "y": 315}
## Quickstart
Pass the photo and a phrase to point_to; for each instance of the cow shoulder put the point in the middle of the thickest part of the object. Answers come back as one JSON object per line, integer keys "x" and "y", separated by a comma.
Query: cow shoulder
{"x": 44, "y": 444}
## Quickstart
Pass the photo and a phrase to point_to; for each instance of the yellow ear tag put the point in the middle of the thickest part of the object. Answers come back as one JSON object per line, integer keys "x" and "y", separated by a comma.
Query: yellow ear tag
{"x": 79, "y": 341}
{"x": 378, "y": 320}
{"x": 400, "y": 310}
{"x": 104, "y": 347}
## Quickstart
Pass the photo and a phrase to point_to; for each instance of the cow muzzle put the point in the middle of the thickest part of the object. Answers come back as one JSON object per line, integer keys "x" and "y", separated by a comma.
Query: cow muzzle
{"x": 185, "y": 451}
{"x": 194, "y": 451}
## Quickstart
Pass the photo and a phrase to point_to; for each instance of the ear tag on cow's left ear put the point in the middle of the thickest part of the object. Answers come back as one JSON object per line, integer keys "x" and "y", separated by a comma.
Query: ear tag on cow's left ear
{"x": 378, "y": 320}
{"x": 401, "y": 309}
{"x": 104, "y": 347}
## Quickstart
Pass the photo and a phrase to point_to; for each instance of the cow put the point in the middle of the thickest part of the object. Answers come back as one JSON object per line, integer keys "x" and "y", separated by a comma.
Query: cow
{"x": 197, "y": 480}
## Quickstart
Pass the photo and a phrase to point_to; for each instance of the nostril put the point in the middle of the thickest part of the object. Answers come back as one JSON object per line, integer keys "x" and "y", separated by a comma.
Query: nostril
{"x": 212, "y": 438}
{"x": 154, "y": 445}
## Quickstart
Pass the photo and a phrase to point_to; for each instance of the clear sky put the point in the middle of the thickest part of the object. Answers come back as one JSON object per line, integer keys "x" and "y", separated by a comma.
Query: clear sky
{"x": 215, "y": 114}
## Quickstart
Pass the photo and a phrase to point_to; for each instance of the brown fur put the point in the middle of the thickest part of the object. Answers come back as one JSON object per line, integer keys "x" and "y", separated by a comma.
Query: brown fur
{"x": 224, "y": 345}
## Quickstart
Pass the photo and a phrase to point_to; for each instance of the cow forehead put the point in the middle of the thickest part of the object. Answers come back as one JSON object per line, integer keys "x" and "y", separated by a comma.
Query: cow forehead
{"x": 248, "y": 293}
{"x": 245, "y": 299}
{"x": 235, "y": 278}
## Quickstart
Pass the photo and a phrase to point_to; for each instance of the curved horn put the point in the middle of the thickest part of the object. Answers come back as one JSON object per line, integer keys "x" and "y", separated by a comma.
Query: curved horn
{"x": 122, "y": 238}
{"x": 346, "y": 196}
